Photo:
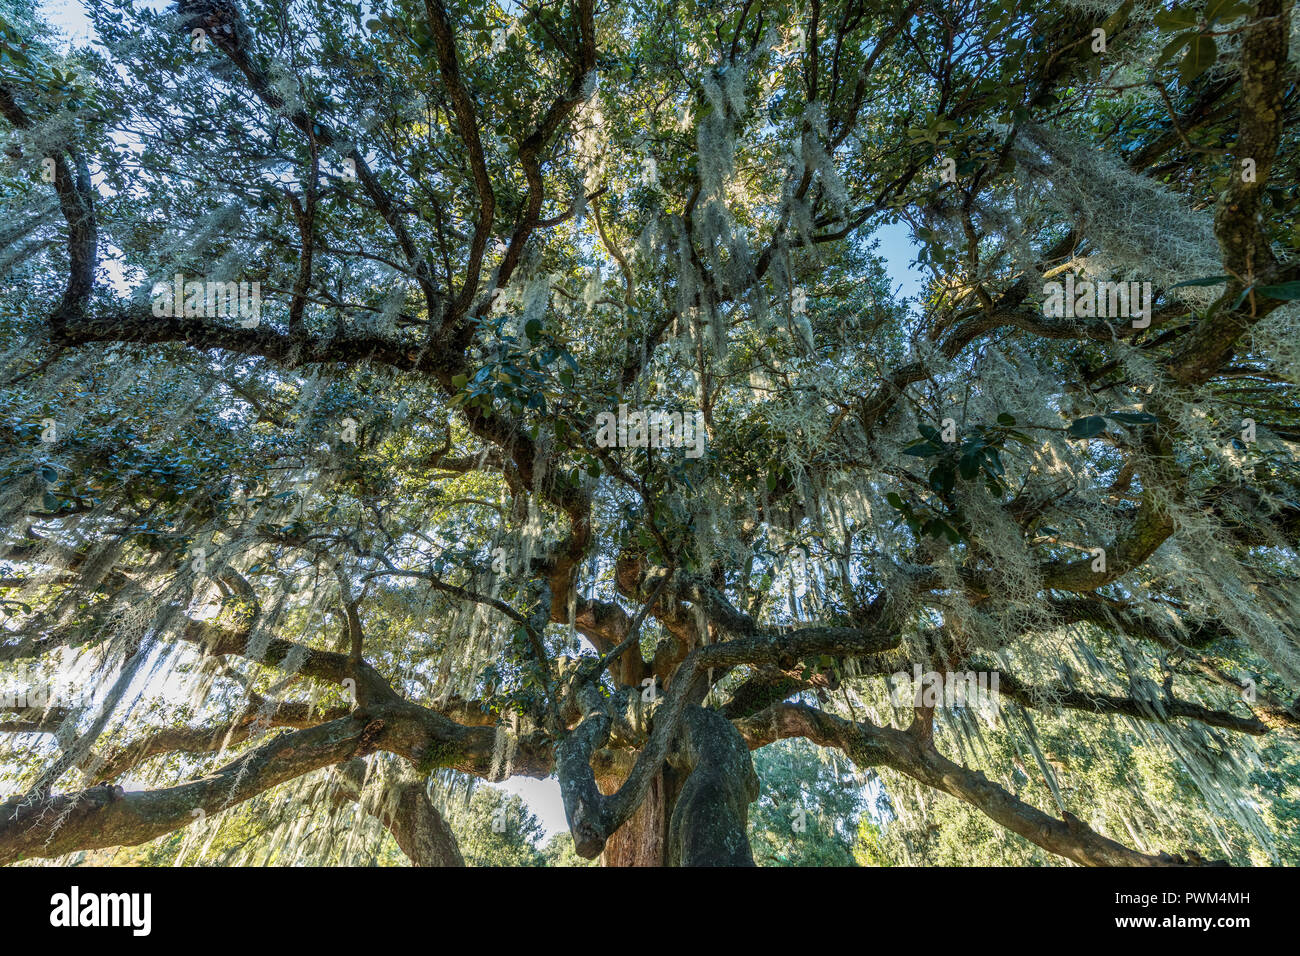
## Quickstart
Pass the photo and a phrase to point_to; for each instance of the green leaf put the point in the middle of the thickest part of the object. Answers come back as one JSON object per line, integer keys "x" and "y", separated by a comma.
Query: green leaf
{"x": 1245, "y": 293}
{"x": 993, "y": 463}
{"x": 1133, "y": 418}
{"x": 1087, "y": 427}
{"x": 1172, "y": 48}
{"x": 1225, "y": 10}
{"x": 1286, "y": 291}
{"x": 1179, "y": 18}
{"x": 459, "y": 381}
{"x": 1006, "y": 419}
{"x": 1208, "y": 280}
{"x": 923, "y": 449}
{"x": 1201, "y": 54}
{"x": 895, "y": 500}
{"x": 942, "y": 477}
{"x": 969, "y": 466}
{"x": 533, "y": 329}
{"x": 938, "y": 528}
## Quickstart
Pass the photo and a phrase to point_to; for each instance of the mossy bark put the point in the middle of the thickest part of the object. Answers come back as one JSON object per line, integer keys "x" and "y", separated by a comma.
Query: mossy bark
{"x": 709, "y": 822}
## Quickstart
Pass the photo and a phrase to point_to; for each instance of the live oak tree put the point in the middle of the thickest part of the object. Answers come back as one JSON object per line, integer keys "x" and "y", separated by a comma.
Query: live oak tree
{"x": 361, "y": 543}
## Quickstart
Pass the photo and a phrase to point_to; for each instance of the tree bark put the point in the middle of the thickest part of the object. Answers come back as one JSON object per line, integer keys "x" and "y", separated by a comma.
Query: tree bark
{"x": 404, "y": 807}
{"x": 107, "y": 816}
{"x": 709, "y": 823}
{"x": 640, "y": 841}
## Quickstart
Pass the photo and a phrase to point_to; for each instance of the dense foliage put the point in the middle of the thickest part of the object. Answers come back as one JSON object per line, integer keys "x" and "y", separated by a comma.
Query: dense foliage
{"x": 398, "y": 395}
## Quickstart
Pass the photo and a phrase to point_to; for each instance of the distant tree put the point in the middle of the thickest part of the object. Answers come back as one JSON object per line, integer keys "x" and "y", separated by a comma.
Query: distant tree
{"x": 559, "y": 851}
{"x": 809, "y": 808}
{"x": 497, "y": 829}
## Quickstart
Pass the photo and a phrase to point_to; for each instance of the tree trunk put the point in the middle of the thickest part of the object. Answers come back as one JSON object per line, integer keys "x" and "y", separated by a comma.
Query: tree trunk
{"x": 640, "y": 841}
{"x": 709, "y": 823}
{"x": 696, "y": 810}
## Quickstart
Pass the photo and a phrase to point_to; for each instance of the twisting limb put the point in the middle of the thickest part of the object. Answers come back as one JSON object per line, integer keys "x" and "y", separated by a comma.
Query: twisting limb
{"x": 404, "y": 807}
{"x": 870, "y": 746}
